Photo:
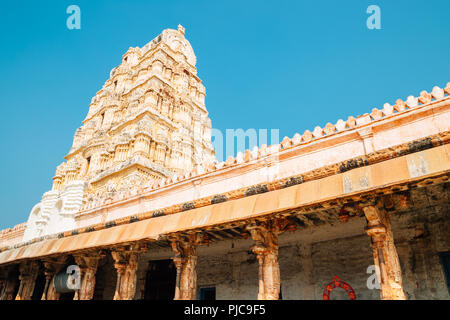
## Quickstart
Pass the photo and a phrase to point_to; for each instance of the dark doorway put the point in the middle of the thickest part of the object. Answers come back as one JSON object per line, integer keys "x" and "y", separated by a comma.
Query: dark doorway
{"x": 160, "y": 280}
{"x": 100, "y": 283}
{"x": 39, "y": 286}
{"x": 105, "y": 279}
{"x": 208, "y": 293}
{"x": 445, "y": 260}
{"x": 13, "y": 276}
{"x": 67, "y": 296}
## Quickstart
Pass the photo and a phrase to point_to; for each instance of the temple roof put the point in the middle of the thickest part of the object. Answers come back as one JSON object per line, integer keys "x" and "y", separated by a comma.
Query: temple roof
{"x": 176, "y": 41}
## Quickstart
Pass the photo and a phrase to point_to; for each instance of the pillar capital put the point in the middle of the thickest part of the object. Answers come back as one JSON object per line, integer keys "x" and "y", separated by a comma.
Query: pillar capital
{"x": 89, "y": 260}
{"x": 88, "y": 263}
{"x": 259, "y": 249}
{"x": 126, "y": 263}
{"x": 185, "y": 260}
{"x": 181, "y": 243}
{"x": 265, "y": 233}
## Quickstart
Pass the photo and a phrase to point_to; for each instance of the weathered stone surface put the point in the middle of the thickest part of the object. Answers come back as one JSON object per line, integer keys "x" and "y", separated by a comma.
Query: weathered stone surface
{"x": 185, "y": 249}
{"x": 125, "y": 262}
{"x": 88, "y": 263}
{"x": 28, "y": 274}
{"x": 384, "y": 252}
{"x": 51, "y": 267}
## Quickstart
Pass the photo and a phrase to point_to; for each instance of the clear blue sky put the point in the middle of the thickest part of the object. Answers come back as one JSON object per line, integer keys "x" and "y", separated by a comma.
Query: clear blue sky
{"x": 289, "y": 65}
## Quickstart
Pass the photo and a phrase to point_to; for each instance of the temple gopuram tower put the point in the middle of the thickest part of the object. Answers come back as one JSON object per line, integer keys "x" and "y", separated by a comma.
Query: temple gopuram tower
{"x": 148, "y": 122}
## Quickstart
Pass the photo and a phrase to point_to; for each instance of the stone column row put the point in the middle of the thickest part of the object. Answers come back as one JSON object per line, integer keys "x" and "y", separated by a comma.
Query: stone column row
{"x": 264, "y": 233}
{"x": 125, "y": 264}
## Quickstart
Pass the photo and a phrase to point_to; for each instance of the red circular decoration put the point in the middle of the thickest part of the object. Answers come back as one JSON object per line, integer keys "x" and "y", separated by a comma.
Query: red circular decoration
{"x": 337, "y": 282}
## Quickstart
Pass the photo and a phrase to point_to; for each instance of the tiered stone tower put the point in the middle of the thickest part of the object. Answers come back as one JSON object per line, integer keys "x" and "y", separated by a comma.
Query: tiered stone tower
{"x": 148, "y": 122}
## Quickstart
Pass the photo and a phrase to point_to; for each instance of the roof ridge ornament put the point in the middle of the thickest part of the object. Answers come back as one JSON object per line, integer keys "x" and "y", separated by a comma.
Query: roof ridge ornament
{"x": 181, "y": 29}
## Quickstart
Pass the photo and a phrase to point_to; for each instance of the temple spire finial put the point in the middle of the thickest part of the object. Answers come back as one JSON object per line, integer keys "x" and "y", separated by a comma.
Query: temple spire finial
{"x": 181, "y": 29}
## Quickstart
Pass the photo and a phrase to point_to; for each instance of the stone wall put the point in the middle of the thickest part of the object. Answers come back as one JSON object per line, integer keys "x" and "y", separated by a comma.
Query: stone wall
{"x": 421, "y": 236}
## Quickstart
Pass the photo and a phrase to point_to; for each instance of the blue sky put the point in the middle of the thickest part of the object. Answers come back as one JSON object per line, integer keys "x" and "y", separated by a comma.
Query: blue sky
{"x": 288, "y": 65}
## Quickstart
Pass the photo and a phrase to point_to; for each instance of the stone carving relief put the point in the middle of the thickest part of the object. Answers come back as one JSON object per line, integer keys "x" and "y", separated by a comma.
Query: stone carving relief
{"x": 131, "y": 134}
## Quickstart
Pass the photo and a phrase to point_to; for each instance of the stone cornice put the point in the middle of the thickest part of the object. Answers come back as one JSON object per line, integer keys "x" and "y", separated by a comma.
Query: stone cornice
{"x": 154, "y": 115}
{"x": 127, "y": 122}
{"x": 135, "y": 161}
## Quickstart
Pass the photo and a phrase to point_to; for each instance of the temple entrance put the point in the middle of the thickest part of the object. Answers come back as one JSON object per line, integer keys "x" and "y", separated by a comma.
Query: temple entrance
{"x": 105, "y": 279}
{"x": 208, "y": 293}
{"x": 67, "y": 296}
{"x": 39, "y": 286}
{"x": 445, "y": 260}
{"x": 160, "y": 280}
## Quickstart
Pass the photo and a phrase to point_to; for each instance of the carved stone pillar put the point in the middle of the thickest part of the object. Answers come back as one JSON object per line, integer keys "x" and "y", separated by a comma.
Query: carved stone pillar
{"x": 9, "y": 282}
{"x": 152, "y": 150}
{"x": 384, "y": 252}
{"x": 126, "y": 262}
{"x": 185, "y": 260}
{"x": 28, "y": 274}
{"x": 51, "y": 267}
{"x": 88, "y": 263}
{"x": 265, "y": 234}
{"x": 4, "y": 272}
{"x": 178, "y": 261}
{"x": 260, "y": 257}
{"x": 8, "y": 291}
{"x": 2, "y": 286}
{"x": 160, "y": 154}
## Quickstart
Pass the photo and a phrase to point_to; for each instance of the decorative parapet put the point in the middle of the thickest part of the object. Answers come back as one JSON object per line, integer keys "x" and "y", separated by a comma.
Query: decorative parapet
{"x": 13, "y": 235}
